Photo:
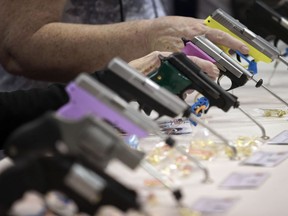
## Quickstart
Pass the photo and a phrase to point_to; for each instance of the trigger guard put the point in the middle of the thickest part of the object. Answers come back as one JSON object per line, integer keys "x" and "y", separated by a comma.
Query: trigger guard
{"x": 181, "y": 94}
{"x": 146, "y": 109}
{"x": 219, "y": 79}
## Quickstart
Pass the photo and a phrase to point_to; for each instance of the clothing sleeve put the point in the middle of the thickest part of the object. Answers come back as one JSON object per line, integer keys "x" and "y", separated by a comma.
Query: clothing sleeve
{"x": 22, "y": 106}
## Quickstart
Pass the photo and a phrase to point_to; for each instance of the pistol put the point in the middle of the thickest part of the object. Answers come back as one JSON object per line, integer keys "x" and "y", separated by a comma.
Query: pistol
{"x": 203, "y": 48}
{"x": 133, "y": 86}
{"x": 88, "y": 96}
{"x": 89, "y": 189}
{"x": 181, "y": 65}
{"x": 267, "y": 22}
{"x": 92, "y": 141}
{"x": 259, "y": 48}
{"x": 178, "y": 73}
{"x": 88, "y": 138}
{"x": 130, "y": 85}
{"x": 227, "y": 65}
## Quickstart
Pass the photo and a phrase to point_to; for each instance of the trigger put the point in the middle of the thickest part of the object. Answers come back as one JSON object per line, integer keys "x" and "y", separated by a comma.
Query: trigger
{"x": 238, "y": 57}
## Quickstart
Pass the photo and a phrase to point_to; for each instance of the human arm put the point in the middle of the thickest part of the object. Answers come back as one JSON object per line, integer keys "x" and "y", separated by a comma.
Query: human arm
{"x": 37, "y": 45}
{"x": 22, "y": 106}
{"x": 151, "y": 62}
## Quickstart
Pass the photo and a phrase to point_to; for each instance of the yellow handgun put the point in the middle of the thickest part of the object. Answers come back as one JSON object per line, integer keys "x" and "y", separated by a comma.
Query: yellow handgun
{"x": 259, "y": 48}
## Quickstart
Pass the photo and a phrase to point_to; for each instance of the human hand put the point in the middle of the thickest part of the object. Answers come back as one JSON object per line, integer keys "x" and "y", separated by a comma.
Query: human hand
{"x": 165, "y": 34}
{"x": 151, "y": 62}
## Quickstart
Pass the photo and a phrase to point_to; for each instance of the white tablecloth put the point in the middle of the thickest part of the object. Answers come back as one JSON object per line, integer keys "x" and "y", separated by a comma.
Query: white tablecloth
{"x": 268, "y": 199}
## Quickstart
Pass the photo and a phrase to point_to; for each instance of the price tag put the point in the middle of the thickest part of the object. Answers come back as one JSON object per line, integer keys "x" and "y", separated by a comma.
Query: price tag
{"x": 214, "y": 205}
{"x": 280, "y": 139}
{"x": 266, "y": 159}
{"x": 244, "y": 180}
{"x": 176, "y": 126}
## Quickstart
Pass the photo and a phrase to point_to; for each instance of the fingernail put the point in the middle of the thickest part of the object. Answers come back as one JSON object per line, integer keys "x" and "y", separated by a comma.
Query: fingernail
{"x": 244, "y": 49}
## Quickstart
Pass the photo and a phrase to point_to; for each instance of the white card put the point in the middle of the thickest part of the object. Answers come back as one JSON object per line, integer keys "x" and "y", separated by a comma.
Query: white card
{"x": 280, "y": 139}
{"x": 214, "y": 205}
{"x": 176, "y": 126}
{"x": 266, "y": 159}
{"x": 244, "y": 180}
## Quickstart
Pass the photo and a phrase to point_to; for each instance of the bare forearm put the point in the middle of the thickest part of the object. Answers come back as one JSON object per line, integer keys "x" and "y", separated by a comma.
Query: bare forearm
{"x": 58, "y": 52}
{"x": 34, "y": 43}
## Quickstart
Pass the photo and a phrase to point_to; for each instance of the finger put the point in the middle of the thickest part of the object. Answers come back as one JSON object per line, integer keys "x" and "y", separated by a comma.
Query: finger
{"x": 208, "y": 67}
{"x": 148, "y": 63}
{"x": 223, "y": 38}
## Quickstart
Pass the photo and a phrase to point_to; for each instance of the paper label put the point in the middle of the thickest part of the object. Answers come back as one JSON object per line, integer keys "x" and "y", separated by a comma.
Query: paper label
{"x": 244, "y": 180}
{"x": 280, "y": 139}
{"x": 214, "y": 205}
{"x": 266, "y": 159}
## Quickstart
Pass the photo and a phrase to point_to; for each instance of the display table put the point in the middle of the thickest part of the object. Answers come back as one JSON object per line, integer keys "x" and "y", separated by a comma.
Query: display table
{"x": 270, "y": 198}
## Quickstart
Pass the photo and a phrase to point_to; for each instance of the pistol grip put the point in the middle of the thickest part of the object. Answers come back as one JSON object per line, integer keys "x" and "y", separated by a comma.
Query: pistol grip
{"x": 191, "y": 49}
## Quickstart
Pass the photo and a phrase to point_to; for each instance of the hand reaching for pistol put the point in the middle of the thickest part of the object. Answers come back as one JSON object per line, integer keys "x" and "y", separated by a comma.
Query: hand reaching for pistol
{"x": 165, "y": 34}
{"x": 151, "y": 62}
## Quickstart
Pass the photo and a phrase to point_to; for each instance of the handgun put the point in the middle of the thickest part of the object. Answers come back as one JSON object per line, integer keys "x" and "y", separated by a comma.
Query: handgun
{"x": 93, "y": 142}
{"x": 179, "y": 65}
{"x": 259, "y": 48}
{"x": 267, "y": 22}
{"x": 203, "y": 48}
{"x": 227, "y": 65}
{"x": 89, "y": 189}
{"x": 178, "y": 73}
{"x": 88, "y": 138}
{"x": 130, "y": 85}
{"x": 88, "y": 96}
